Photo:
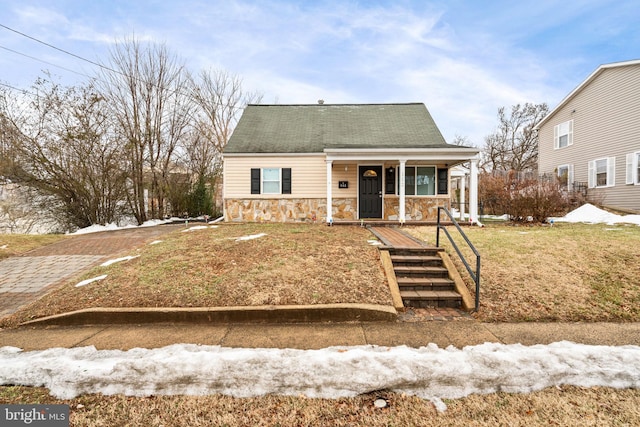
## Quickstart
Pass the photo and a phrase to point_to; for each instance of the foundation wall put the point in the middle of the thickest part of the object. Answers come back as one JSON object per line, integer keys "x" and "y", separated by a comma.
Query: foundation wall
{"x": 301, "y": 210}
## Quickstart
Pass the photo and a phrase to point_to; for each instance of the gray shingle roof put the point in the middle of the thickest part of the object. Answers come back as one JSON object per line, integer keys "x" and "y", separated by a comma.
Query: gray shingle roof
{"x": 312, "y": 128}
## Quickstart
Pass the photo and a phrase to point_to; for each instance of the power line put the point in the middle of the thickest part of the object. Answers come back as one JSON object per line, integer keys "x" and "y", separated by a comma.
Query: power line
{"x": 43, "y": 61}
{"x": 79, "y": 57}
{"x": 59, "y": 49}
{"x": 19, "y": 90}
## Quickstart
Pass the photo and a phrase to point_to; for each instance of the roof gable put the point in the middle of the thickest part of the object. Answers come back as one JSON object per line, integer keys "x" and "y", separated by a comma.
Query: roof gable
{"x": 316, "y": 127}
{"x": 586, "y": 82}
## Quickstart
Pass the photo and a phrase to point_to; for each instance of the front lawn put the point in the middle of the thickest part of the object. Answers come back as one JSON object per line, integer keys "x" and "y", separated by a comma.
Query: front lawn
{"x": 564, "y": 272}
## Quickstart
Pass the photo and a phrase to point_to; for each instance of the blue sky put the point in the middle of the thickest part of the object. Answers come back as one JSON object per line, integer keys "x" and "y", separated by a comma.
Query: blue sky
{"x": 464, "y": 59}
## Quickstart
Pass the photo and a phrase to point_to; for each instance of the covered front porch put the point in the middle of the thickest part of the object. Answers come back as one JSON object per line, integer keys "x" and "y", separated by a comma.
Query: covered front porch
{"x": 398, "y": 186}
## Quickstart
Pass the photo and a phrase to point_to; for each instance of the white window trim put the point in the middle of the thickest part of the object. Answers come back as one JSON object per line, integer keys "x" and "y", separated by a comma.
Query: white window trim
{"x": 569, "y": 174}
{"x": 556, "y": 135}
{"x": 633, "y": 163}
{"x": 611, "y": 173}
{"x": 262, "y": 181}
{"x": 415, "y": 184}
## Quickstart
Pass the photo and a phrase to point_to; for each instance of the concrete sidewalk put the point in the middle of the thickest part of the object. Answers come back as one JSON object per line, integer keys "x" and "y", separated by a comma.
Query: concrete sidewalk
{"x": 319, "y": 335}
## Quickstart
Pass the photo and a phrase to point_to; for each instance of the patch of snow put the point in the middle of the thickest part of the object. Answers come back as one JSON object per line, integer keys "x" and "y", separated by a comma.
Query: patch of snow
{"x": 87, "y": 281}
{"x": 591, "y": 214}
{"x": 428, "y": 372}
{"x": 374, "y": 242}
{"x": 250, "y": 237}
{"x": 199, "y": 227}
{"x": 155, "y": 242}
{"x": 4, "y": 246}
{"x": 96, "y": 228}
{"x": 113, "y": 261}
{"x": 194, "y": 228}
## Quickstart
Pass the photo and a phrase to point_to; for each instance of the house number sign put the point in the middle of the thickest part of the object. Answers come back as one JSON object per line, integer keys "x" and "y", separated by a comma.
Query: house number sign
{"x": 343, "y": 184}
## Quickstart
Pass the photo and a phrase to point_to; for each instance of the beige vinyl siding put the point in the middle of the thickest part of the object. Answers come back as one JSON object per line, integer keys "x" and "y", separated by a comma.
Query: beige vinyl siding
{"x": 606, "y": 123}
{"x": 345, "y": 172}
{"x": 308, "y": 175}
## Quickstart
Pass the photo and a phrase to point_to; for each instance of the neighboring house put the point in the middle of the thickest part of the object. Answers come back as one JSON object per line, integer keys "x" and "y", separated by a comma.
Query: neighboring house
{"x": 592, "y": 137}
{"x": 370, "y": 161}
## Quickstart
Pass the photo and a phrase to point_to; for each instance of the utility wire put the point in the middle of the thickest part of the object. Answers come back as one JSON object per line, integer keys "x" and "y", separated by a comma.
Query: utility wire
{"x": 59, "y": 49}
{"x": 174, "y": 91}
{"x": 43, "y": 61}
{"x": 19, "y": 90}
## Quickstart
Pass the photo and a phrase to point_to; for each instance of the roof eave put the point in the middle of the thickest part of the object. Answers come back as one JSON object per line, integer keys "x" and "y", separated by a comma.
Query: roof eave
{"x": 578, "y": 88}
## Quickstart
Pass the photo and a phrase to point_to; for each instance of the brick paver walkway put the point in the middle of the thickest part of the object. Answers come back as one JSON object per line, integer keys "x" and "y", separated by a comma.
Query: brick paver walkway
{"x": 25, "y": 278}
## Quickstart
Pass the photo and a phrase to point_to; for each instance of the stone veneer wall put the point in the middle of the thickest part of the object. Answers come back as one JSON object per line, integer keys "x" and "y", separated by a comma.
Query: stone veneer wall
{"x": 299, "y": 210}
{"x": 288, "y": 210}
{"x": 416, "y": 208}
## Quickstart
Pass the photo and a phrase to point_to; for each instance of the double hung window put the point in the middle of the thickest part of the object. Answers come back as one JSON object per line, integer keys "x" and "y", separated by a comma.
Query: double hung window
{"x": 271, "y": 181}
{"x": 602, "y": 172}
{"x": 563, "y": 134}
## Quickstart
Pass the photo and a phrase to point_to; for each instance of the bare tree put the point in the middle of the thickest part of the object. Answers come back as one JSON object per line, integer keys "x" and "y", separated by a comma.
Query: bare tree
{"x": 61, "y": 144}
{"x": 462, "y": 141}
{"x": 220, "y": 100}
{"x": 514, "y": 145}
{"x": 148, "y": 94}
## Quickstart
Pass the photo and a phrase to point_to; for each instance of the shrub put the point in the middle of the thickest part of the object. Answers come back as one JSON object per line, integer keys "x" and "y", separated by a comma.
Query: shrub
{"x": 523, "y": 199}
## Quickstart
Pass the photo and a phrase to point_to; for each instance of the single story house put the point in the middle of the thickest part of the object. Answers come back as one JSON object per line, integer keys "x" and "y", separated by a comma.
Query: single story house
{"x": 592, "y": 138}
{"x": 363, "y": 161}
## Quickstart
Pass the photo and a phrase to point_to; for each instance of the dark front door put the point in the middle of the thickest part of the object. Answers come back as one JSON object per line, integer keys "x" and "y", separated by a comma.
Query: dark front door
{"x": 370, "y": 194}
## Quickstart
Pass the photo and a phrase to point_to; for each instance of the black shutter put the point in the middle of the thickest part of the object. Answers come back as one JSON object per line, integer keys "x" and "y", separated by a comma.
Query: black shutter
{"x": 286, "y": 180}
{"x": 255, "y": 181}
{"x": 443, "y": 181}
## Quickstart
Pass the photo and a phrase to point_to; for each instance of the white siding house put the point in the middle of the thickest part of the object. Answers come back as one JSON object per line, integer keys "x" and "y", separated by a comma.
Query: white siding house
{"x": 593, "y": 136}
{"x": 345, "y": 162}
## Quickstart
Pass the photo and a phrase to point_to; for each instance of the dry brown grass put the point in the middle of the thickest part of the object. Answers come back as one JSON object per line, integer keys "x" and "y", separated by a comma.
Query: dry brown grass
{"x": 568, "y": 272}
{"x": 560, "y": 406}
{"x": 292, "y": 264}
{"x": 18, "y": 244}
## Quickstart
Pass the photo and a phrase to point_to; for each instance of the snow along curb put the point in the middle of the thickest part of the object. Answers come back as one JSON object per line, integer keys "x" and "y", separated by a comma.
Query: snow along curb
{"x": 257, "y": 314}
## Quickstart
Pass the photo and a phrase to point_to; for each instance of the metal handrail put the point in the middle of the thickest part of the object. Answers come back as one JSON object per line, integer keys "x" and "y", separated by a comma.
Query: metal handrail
{"x": 474, "y": 275}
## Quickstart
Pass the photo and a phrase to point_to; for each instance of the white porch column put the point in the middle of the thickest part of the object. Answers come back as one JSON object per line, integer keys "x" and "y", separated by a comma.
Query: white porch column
{"x": 329, "y": 194}
{"x": 463, "y": 191}
{"x": 402, "y": 214}
{"x": 473, "y": 191}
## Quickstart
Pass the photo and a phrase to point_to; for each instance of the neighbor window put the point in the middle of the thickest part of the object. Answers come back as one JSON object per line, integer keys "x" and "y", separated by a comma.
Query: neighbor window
{"x": 633, "y": 168}
{"x": 563, "y": 134}
{"x": 271, "y": 181}
{"x": 565, "y": 175}
{"x": 419, "y": 181}
{"x": 602, "y": 172}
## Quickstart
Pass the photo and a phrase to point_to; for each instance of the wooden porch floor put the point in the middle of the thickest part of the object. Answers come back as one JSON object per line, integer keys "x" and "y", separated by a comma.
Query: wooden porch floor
{"x": 396, "y": 238}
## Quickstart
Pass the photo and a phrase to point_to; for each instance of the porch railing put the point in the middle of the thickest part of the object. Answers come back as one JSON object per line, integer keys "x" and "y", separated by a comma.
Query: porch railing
{"x": 475, "y": 275}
